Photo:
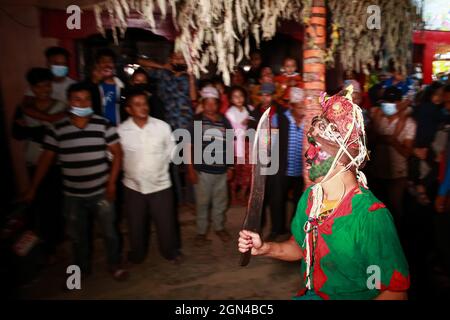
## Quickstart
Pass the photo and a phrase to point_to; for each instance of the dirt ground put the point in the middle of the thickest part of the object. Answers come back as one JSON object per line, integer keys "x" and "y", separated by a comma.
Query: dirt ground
{"x": 210, "y": 272}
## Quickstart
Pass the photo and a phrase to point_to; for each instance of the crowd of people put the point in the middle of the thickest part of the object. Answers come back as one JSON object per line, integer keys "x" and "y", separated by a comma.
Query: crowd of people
{"x": 107, "y": 144}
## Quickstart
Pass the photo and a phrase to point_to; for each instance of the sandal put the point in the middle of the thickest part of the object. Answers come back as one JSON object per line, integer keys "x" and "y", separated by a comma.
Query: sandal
{"x": 120, "y": 274}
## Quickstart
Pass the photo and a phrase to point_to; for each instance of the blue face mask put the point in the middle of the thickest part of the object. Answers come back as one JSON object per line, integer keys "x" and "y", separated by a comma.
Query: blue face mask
{"x": 389, "y": 109}
{"x": 81, "y": 112}
{"x": 59, "y": 71}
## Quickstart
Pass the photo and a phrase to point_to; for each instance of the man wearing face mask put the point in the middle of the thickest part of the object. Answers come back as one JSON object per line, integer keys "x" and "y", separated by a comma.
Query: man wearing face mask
{"x": 80, "y": 142}
{"x": 57, "y": 62}
{"x": 394, "y": 132}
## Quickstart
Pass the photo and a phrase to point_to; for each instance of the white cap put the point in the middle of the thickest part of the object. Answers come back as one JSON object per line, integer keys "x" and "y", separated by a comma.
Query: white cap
{"x": 296, "y": 95}
{"x": 209, "y": 92}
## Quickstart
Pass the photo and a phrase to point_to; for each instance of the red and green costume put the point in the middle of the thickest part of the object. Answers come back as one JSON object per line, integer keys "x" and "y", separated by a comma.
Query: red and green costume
{"x": 359, "y": 233}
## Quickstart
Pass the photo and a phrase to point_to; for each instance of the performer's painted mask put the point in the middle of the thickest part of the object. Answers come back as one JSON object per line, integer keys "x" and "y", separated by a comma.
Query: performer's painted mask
{"x": 327, "y": 130}
{"x": 318, "y": 160}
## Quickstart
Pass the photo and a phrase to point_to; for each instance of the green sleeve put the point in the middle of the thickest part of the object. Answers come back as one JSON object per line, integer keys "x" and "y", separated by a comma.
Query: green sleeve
{"x": 300, "y": 218}
{"x": 380, "y": 247}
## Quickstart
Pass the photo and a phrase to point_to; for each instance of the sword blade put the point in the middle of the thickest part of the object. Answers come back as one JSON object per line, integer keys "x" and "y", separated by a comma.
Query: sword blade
{"x": 252, "y": 221}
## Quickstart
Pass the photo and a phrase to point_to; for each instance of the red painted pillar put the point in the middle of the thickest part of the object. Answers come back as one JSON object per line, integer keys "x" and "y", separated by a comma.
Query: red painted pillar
{"x": 314, "y": 45}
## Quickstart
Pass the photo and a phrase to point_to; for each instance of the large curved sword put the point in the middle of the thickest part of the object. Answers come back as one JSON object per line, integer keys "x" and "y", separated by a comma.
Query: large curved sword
{"x": 260, "y": 155}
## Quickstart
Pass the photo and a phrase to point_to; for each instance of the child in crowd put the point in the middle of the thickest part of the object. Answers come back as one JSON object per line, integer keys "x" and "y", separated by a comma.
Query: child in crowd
{"x": 288, "y": 79}
{"x": 239, "y": 115}
{"x": 224, "y": 102}
{"x": 266, "y": 98}
{"x": 266, "y": 77}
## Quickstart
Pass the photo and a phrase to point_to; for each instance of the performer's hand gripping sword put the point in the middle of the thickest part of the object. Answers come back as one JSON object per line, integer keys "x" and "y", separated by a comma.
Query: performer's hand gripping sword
{"x": 260, "y": 156}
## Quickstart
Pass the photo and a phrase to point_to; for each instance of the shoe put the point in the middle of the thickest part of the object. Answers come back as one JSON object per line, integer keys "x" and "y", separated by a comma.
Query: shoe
{"x": 223, "y": 235}
{"x": 179, "y": 259}
{"x": 201, "y": 240}
{"x": 119, "y": 274}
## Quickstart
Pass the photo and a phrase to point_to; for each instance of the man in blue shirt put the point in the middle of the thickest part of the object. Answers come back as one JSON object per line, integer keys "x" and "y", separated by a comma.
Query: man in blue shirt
{"x": 290, "y": 173}
{"x": 399, "y": 81}
{"x": 106, "y": 87}
{"x": 176, "y": 88}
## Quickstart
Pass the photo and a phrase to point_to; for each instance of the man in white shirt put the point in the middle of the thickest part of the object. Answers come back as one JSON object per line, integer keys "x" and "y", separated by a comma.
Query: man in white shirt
{"x": 147, "y": 145}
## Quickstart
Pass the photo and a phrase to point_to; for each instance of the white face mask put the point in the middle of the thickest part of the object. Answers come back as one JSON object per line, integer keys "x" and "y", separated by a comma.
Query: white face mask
{"x": 59, "y": 71}
{"x": 81, "y": 112}
{"x": 388, "y": 108}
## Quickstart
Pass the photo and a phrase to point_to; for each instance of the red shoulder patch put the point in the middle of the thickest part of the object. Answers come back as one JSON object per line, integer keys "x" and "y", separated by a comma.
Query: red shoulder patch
{"x": 398, "y": 282}
{"x": 376, "y": 206}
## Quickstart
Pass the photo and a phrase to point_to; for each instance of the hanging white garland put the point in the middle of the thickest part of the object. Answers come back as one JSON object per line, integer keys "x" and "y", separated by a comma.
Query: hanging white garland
{"x": 219, "y": 31}
{"x": 216, "y": 31}
{"x": 358, "y": 45}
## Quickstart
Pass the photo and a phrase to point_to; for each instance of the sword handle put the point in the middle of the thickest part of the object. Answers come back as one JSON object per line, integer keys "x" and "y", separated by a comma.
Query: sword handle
{"x": 245, "y": 258}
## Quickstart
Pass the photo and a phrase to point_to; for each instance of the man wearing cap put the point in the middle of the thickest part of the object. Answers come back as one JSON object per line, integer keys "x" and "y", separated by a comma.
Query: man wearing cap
{"x": 289, "y": 176}
{"x": 210, "y": 177}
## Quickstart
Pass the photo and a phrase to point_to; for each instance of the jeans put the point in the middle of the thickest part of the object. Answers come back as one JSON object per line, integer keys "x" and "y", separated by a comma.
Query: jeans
{"x": 211, "y": 189}
{"x": 79, "y": 212}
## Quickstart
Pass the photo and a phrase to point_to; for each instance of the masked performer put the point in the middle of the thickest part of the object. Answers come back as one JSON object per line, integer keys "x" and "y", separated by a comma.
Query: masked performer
{"x": 344, "y": 234}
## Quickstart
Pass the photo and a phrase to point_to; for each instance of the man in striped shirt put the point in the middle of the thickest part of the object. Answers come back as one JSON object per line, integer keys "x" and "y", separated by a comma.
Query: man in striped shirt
{"x": 81, "y": 142}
